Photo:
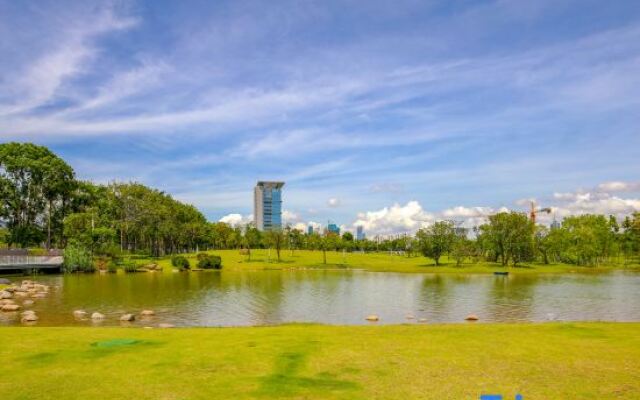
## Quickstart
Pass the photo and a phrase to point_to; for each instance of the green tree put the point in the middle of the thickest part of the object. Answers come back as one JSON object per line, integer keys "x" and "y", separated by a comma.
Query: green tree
{"x": 34, "y": 185}
{"x": 275, "y": 238}
{"x": 436, "y": 240}
{"x": 509, "y": 236}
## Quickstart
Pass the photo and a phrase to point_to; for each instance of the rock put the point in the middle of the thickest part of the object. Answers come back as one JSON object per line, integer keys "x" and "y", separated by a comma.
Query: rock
{"x": 27, "y": 312}
{"x": 147, "y": 313}
{"x": 32, "y": 317}
{"x": 410, "y": 316}
{"x": 19, "y": 289}
{"x": 472, "y": 317}
{"x": 27, "y": 303}
{"x": 372, "y": 317}
{"x": 4, "y": 281}
{"x": 128, "y": 318}
{"x": 97, "y": 315}
{"x": 6, "y": 301}
{"x": 10, "y": 307}
{"x": 26, "y": 283}
{"x": 10, "y": 289}
{"x": 166, "y": 326}
{"x": 5, "y": 295}
{"x": 79, "y": 313}
{"x": 39, "y": 295}
{"x": 422, "y": 320}
{"x": 21, "y": 294}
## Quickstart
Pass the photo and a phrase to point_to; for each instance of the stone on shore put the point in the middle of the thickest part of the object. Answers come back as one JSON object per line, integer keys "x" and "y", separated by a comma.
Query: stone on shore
{"x": 372, "y": 317}
{"x": 10, "y": 307}
{"x": 472, "y": 317}
{"x": 147, "y": 313}
{"x": 166, "y": 326}
{"x": 5, "y": 295}
{"x": 80, "y": 314}
{"x": 97, "y": 315}
{"x": 128, "y": 318}
{"x": 27, "y": 303}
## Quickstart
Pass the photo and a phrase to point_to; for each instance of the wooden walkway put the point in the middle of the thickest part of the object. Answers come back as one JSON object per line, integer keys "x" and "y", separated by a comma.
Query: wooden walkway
{"x": 14, "y": 262}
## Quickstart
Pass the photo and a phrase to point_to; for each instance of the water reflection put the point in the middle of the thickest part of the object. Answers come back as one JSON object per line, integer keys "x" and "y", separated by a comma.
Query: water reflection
{"x": 336, "y": 297}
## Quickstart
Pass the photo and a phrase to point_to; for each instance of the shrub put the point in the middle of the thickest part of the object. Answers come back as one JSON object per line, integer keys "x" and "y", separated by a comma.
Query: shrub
{"x": 129, "y": 266}
{"x": 112, "y": 267}
{"x": 206, "y": 261}
{"x": 180, "y": 262}
{"x": 77, "y": 259}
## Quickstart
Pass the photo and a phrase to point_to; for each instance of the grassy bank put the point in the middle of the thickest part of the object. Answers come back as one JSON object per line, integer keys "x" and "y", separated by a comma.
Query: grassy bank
{"x": 540, "y": 361}
{"x": 383, "y": 262}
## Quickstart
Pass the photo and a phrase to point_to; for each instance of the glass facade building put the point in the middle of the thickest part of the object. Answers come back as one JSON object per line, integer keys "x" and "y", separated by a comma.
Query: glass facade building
{"x": 267, "y": 205}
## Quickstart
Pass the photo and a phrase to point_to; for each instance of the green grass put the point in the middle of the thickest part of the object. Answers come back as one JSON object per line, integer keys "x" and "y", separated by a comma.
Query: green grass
{"x": 540, "y": 361}
{"x": 383, "y": 262}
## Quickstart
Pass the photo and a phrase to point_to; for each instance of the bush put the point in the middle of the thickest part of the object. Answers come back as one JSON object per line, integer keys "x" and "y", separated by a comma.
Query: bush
{"x": 77, "y": 259}
{"x": 180, "y": 262}
{"x": 130, "y": 266}
{"x": 112, "y": 267}
{"x": 206, "y": 261}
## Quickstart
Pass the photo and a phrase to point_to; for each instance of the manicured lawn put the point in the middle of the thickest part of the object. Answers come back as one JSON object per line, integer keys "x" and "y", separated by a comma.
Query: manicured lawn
{"x": 457, "y": 362}
{"x": 384, "y": 262}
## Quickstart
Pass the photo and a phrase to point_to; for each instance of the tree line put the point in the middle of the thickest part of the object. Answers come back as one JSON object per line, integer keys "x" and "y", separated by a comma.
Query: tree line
{"x": 43, "y": 204}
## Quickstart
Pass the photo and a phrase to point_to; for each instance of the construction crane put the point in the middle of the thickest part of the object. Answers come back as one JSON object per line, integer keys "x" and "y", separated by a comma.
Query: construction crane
{"x": 535, "y": 211}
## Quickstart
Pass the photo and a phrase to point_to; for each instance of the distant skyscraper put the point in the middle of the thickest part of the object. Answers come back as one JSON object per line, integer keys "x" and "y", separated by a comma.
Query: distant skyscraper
{"x": 267, "y": 205}
{"x": 359, "y": 232}
{"x": 555, "y": 224}
{"x": 310, "y": 230}
{"x": 333, "y": 228}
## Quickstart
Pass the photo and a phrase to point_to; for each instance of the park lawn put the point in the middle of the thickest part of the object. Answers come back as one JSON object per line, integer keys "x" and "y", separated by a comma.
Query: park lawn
{"x": 381, "y": 262}
{"x": 457, "y": 362}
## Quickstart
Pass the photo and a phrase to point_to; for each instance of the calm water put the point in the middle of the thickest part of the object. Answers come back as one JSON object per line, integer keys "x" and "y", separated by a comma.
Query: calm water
{"x": 336, "y": 297}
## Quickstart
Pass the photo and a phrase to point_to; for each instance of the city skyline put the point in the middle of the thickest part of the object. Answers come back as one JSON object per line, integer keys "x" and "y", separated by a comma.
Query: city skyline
{"x": 388, "y": 116}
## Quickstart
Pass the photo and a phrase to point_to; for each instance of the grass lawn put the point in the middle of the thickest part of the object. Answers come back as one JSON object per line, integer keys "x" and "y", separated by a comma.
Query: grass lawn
{"x": 540, "y": 361}
{"x": 383, "y": 262}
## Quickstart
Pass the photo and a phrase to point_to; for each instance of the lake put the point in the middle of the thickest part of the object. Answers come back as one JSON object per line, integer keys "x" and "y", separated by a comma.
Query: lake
{"x": 334, "y": 297}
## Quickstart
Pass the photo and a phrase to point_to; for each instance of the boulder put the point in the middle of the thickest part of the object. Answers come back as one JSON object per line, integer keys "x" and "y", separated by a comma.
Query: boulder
{"x": 79, "y": 313}
{"x": 147, "y": 313}
{"x": 39, "y": 295}
{"x": 6, "y": 301}
{"x": 6, "y": 295}
{"x": 128, "y": 318}
{"x": 27, "y": 303}
{"x": 4, "y": 281}
{"x": 372, "y": 317}
{"x": 97, "y": 315}
{"x": 472, "y": 317}
{"x": 21, "y": 294}
{"x": 422, "y": 320}
{"x": 32, "y": 317}
{"x": 10, "y": 289}
{"x": 165, "y": 326}
{"x": 10, "y": 307}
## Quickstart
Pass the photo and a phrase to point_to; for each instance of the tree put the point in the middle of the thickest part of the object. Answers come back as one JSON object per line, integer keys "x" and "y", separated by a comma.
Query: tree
{"x": 436, "y": 240}
{"x": 461, "y": 249}
{"x": 275, "y": 238}
{"x": 509, "y": 236}
{"x": 591, "y": 239}
{"x": 34, "y": 185}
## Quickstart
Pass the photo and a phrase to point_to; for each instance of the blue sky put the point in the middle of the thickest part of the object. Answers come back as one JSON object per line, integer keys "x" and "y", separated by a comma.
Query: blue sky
{"x": 386, "y": 114}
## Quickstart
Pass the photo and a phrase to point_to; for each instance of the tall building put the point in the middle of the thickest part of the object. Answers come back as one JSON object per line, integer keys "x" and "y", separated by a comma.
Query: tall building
{"x": 267, "y": 205}
{"x": 310, "y": 230}
{"x": 333, "y": 228}
{"x": 359, "y": 232}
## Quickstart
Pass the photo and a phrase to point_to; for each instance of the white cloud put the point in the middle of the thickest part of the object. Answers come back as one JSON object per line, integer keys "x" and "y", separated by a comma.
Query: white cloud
{"x": 334, "y": 202}
{"x": 395, "y": 219}
{"x": 236, "y": 219}
{"x": 618, "y": 186}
